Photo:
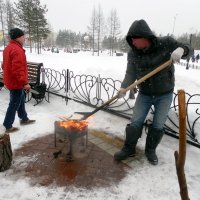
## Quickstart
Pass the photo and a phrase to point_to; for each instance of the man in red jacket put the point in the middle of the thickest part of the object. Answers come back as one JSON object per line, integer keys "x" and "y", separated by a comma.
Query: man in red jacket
{"x": 15, "y": 77}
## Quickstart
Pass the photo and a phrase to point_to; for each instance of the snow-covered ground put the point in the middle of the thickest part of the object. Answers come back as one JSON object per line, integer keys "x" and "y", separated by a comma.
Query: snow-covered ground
{"x": 142, "y": 182}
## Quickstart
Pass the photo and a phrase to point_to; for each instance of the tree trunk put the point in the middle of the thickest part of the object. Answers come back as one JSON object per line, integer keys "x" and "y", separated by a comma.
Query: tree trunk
{"x": 5, "y": 153}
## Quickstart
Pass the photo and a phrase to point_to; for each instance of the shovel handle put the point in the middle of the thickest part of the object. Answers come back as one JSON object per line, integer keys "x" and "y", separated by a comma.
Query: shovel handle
{"x": 161, "y": 67}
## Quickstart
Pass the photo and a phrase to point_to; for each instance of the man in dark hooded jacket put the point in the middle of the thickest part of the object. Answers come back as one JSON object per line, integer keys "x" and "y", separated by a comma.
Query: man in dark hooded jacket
{"x": 147, "y": 53}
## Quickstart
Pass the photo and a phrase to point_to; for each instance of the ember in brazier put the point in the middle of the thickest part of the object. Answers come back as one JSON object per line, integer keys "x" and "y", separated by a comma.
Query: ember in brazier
{"x": 71, "y": 130}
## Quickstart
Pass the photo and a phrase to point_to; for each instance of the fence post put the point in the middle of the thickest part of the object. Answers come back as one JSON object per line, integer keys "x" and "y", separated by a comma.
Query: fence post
{"x": 98, "y": 91}
{"x": 67, "y": 80}
{"x": 181, "y": 155}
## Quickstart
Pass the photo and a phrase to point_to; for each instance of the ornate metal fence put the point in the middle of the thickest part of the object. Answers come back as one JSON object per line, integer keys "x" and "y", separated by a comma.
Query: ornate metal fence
{"x": 94, "y": 91}
{"x": 194, "y": 65}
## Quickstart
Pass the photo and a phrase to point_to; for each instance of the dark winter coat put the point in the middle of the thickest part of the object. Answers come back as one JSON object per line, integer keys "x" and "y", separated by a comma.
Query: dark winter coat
{"x": 141, "y": 62}
{"x": 15, "y": 70}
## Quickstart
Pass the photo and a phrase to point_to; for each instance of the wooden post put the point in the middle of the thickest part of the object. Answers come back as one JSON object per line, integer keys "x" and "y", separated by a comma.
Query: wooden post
{"x": 5, "y": 152}
{"x": 181, "y": 156}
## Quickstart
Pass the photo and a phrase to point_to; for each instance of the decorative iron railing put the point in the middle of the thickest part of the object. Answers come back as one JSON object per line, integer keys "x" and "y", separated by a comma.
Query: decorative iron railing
{"x": 193, "y": 65}
{"x": 94, "y": 91}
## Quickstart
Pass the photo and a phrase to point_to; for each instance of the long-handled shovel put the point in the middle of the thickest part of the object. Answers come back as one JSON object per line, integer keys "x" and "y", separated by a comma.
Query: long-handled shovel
{"x": 161, "y": 67}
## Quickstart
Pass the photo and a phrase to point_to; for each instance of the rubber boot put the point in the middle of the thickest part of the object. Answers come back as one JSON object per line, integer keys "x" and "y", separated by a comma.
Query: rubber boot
{"x": 128, "y": 150}
{"x": 154, "y": 137}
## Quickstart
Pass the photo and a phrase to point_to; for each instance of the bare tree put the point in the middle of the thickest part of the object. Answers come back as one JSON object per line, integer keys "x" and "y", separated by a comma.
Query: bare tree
{"x": 92, "y": 28}
{"x": 100, "y": 27}
{"x": 10, "y": 15}
{"x": 114, "y": 29}
{"x": 2, "y": 6}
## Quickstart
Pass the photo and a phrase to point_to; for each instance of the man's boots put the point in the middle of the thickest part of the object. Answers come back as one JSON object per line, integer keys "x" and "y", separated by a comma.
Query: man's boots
{"x": 132, "y": 136}
{"x": 154, "y": 137}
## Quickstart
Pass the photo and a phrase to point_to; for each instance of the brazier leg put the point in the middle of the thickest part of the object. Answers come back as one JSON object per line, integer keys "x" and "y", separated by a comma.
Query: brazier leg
{"x": 70, "y": 152}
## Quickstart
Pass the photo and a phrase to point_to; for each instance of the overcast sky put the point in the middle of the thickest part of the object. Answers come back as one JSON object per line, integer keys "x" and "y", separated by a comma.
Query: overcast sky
{"x": 178, "y": 16}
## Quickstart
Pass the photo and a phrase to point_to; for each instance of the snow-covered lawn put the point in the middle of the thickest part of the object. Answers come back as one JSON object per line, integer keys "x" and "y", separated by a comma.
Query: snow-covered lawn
{"x": 142, "y": 182}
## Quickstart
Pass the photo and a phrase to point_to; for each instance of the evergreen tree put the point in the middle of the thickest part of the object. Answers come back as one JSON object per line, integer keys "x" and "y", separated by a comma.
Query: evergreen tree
{"x": 68, "y": 39}
{"x": 31, "y": 17}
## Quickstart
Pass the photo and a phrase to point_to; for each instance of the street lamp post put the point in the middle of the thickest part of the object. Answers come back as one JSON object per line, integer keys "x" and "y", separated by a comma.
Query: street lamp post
{"x": 174, "y": 23}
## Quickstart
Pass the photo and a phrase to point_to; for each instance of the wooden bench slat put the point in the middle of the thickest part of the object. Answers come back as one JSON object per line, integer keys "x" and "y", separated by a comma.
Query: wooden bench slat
{"x": 32, "y": 74}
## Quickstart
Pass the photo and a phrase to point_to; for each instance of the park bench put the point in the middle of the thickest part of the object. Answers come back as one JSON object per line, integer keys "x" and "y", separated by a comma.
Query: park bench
{"x": 34, "y": 76}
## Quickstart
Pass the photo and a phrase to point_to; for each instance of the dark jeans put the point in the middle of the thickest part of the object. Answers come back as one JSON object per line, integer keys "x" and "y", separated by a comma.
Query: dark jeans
{"x": 143, "y": 104}
{"x": 16, "y": 104}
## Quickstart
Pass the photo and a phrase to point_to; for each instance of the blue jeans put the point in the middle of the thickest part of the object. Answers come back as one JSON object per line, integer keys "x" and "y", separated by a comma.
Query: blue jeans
{"x": 16, "y": 104}
{"x": 143, "y": 104}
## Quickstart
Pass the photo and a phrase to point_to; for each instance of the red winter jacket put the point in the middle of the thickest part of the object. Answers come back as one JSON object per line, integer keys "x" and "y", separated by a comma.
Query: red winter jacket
{"x": 15, "y": 70}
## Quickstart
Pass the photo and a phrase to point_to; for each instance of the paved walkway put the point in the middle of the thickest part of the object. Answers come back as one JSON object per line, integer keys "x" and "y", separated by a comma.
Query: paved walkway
{"x": 92, "y": 166}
